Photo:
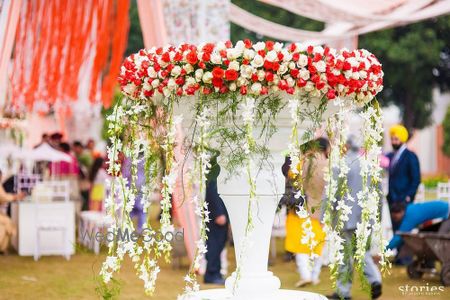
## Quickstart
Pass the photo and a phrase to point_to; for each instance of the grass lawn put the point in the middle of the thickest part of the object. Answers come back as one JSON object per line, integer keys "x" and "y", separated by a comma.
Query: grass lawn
{"x": 56, "y": 278}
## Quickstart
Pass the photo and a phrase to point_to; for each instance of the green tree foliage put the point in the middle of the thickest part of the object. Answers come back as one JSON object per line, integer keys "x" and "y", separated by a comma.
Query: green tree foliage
{"x": 135, "y": 40}
{"x": 415, "y": 59}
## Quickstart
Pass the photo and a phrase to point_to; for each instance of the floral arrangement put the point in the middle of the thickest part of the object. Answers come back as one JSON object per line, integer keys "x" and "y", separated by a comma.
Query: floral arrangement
{"x": 236, "y": 94}
{"x": 251, "y": 69}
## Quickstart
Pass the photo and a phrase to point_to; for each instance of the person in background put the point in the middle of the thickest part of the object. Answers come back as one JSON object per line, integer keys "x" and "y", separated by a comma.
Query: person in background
{"x": 218, "y": 226}
{"x": 65, "y": 168}
{"x": 55, "y": 140}
{"x": 97, "y": 178}
{"x": 355, "y": 185}
{"x": 84, "y": 163}
{"x": 138, "y": 208}
{"x": 45, "y": 139}
{"x": 404, "y": 169}
{"x": 315, "y": 160}
{"x": 412, "y": 215}
{"x": 7, "y": 227}
{"x": 90, "y": 147}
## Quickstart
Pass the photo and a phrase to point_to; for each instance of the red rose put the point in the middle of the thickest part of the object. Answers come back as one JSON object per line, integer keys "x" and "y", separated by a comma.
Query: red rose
{"x": 264, "y": 90}
{"x": 248, "y": 43}
{"x": 206, "y": 56}
{"x": 320, "y": 85}
{"x": 317, "y": 57}
{"x": 217, "y": 82}
{"x": 178, "y": 56}
{"x": 269, "y": 45}
{"x": 280, "y": 56}
{"x": 301, "y": 82}
{"x": 159, "y": 51}
{"x": 179, "y": 81}
{"x": 269, "y": 76}
{"x": 294, "y": 73}
{"x": 310, "y": 49}
{"x": 218, "y": 72}
{"x": 292, "y": 47}
{"x": 165, "y": 57}
{"x": 179, "y": 91}
{"x": 191, "y": 57}
{"x": 295, "y": 56}
{"x": 208, "y": 48}
{"x": 201, "y": 65}
{"x": 228, "y": 44}
{"x": 243, "y": 90}
{"x": 331, "y": 94}
{"x": 254, "y": 78}
{"x": 231, "y": 75}
{"x": 206, "y": 90}
{"x": 347, "y": 66}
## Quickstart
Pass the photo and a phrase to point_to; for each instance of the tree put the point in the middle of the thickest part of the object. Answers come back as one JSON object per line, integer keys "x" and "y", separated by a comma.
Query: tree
{"x": 414, "y": 62}
{"x": 135, "y": 40}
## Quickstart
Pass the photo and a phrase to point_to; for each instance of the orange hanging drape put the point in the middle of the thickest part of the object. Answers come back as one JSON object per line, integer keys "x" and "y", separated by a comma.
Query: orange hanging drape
{"x": 60, "y": 42}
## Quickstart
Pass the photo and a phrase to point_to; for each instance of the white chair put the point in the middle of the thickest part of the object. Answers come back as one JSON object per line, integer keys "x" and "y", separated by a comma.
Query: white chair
{"x": 26, "y": 181}
{"x": 51, "y": 191}
{"x": 443, "y": 191}
{"x": 91, "y": 222}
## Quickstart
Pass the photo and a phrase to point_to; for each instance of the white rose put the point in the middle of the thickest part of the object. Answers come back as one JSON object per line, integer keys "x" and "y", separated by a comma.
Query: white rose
{"x": 207, "y": 77}
{"x": 336, "y": 72}
{"x": 176, "y": 71}
{"x": 355, "y": 75}
{"x": 309, "y": 86}
{"x": 282, "y": 69}
{"x": 155, "y": 83}
{"x": 151, "y": 72}
{"x": 278, "y": 46}
{"x": 241, "y": 81}
{"x": 220, "y": 46}
{"x": 259, "y": 46}
{"x": 232, "y": 54}
{"x": 290, "y": 81}
{"x": 198, "y": 74}
{"x": 146, "y": 86}
{"x": 240, "y": 45}
{"x": 234, "y": 65}
{"x": 256, "y": 88}
{"x": 291, "y": 65}
{"x": 340, "y": 88}
{"x": 258, "y": 61}
{"x": 304, "y": 74}
{"x": 188, "y": 68}
{"x": 261, "y": 74}
{"x": 362, "y": 74}
{"x": 246, "y": 71}
{"x": 348, "y": 73}
{"x": 190, "y": 81}
{"x": 315, "y": 93}
{"x": 249, "y": 54}
{"x": 286, "y": 55}
{"x": 274, "y": 88}
{"x": 166, "y": 92}
{"x": 302, "y": 60}
{"x": 271, "y": 56}
{"x": 232, "y": 87}
{"x": 320, "y": 66}
{"x": 171, "y": 85}
{"x": 318, "y": 49}
{"x": 216, "y": 58}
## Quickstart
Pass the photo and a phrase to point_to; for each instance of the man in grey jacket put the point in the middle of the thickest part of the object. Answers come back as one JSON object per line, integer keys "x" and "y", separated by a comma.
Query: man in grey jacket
{"x": 344, "y": 282}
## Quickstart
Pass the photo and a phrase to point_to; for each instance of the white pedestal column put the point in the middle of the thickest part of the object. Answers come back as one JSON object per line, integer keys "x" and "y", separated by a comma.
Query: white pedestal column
{"x": 255, "y": 282}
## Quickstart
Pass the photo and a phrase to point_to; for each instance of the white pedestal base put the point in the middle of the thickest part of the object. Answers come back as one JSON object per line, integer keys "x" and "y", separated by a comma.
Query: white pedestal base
{"x": 223, "y": 294}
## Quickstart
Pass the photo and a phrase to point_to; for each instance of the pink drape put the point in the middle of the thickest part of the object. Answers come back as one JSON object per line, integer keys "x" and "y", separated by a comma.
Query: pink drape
{"x": 9, "y": 18}
{"x": 151, "y": 17}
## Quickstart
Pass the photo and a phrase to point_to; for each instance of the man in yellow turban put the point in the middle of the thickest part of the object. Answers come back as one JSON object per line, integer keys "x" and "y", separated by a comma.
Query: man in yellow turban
{"x": 404, "y": 169}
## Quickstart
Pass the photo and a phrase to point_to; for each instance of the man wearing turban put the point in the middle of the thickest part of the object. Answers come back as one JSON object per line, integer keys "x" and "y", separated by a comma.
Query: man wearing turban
{"x": 404, "y": 169}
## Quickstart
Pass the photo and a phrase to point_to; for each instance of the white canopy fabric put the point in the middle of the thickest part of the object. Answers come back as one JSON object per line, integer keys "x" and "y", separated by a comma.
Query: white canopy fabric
{"x": 344, "y": 18}
{"x": 46, "y": 153}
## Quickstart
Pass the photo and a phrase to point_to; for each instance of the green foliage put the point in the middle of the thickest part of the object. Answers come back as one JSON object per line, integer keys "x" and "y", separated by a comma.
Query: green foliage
{"x": 446, "y": 130}
{"x": 431, "y": 182}
{"x": 135, "y": 40}
{"x": 413, "y": 63}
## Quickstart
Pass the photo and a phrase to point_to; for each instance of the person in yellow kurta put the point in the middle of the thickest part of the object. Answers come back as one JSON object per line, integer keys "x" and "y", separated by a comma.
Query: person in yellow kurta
{"x": 313, "y": 183}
